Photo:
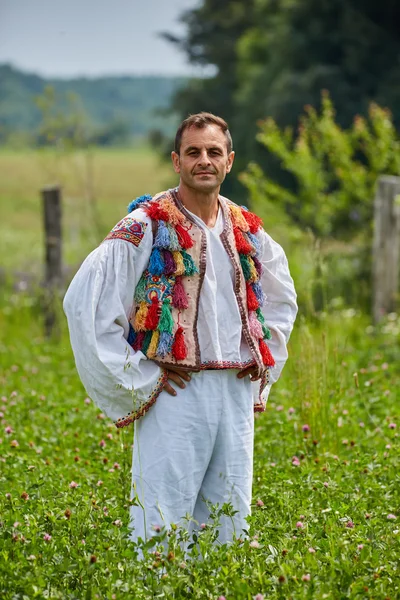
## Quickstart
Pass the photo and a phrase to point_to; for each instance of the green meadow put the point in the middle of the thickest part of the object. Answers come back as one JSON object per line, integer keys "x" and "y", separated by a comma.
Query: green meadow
{"x": 325, "y": 520}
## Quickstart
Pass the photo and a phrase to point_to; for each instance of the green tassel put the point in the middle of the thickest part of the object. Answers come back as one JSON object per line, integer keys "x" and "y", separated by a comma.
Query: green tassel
{"x": 266, "y": 332}
{"x": 140, "y": 292}
{"x": 166, "y": 322}
{"x": 146, "y": 342}
{"x": 260, "y": 316}
{"x": 190, "y": 267}
{"x": 245, "y": 266}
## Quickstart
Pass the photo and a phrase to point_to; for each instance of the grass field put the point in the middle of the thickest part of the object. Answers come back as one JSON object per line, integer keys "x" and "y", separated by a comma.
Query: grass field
{"x": 325, "y": 520}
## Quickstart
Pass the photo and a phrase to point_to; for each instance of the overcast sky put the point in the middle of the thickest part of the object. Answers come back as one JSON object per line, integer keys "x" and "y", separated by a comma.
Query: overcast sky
{"x": 63, "y": 38}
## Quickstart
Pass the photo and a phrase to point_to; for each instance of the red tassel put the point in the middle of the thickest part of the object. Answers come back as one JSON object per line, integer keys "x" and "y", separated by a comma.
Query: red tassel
{"x": 156, "y": 212}
{"x": 252, "y": 302}
{"x": 253, "y": 221}
{"x": 138, "y": 343}
{"x": 179, "y": 350}
{"x": 179, "y": 297}
{"x": 267, "y": 357}
{"x": 153, "y": 315}
{"x": 243, "y": 246}
{"x": 183, "y": 237}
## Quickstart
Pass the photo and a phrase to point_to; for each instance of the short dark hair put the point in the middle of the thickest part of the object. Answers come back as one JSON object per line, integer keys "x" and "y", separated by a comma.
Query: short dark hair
{"x": 201, "y": 120}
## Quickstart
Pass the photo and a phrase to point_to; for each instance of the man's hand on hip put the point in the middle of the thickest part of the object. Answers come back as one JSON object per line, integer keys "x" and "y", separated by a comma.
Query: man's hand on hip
{"x": 252, "y": 371}
{"x": 178, "y": 376}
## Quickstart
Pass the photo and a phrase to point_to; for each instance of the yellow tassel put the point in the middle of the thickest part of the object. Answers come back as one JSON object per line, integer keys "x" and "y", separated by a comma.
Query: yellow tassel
{"x": 140, "y": 317}
{"x": 237, "y": 218}
{"x": 175, "y": 216}
{"x": 253, "y": 270}
{"x": 152, "y": 349}
{"x": 180, "y": 267}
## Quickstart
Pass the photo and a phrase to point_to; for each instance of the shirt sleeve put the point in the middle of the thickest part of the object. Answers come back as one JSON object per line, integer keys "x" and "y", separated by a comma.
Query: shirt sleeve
{"x": 98, "y": 304}
{"x": 280, "y": 306}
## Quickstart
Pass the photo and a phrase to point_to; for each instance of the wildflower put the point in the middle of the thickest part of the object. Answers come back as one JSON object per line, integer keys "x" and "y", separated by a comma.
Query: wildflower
{"x": 87, "y": 400}
{"x": 101, "y": 416}
{"x": 258, "y": 597}
{"x": 102, "y": 443}
{"x": 335, "y": 457}
{"x": 16, "y": 524}
{"x": 291, "y": 410}
{"x": 99, "y": 483}
{"x": 301, "y": 517}
{"x": 47, "y": 537}
{"x": 73, "y": 484}
{"x": 273, "y": 464}
{"x": 306, "y": 577}
{"x": 350, "y": 525}
{"x": 116, "y": 466}
{"x": 8, "y": 495}
{"x": 221, "y": 598}
{"x": 311, "y": 550}
{"x": 8, "y": 429}
{"x": 326, "y": 484}
{"x": 25, "y": 496}
{"x": 93, "y": 558}
{"x": 345, "y": 442}
{"x": 279, "y": 408}
{"x": 117, "y": 522}
{"x": 360, "y": 546}
{"x": 367, "y": 515}
{"x": 109, "y": 436}
{"x": 254, "y": 544}
{"x": 260, "y": 502}
{"x": 14, "y": 444}
{"x": 67, "y": 513}
{"x": 361, "y": 424}
{"x": 306, "y": 427}
{"x": 295, "y": 461}
{"x": 388, "y": 446}
{"x": 384, "y": 366}
{"x": 390, "y": 516}
{"x": 31, "y": 557}
{"x": 203, "y": 526}
{"x": 183, "y": 566}
{"x": 83, "y": 542}
{"x": 299, "y": 525}
{"x": 392, "y": 425}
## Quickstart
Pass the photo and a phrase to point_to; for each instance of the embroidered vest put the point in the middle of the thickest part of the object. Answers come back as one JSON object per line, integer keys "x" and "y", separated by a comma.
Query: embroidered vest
{"x": 164, "y": 324}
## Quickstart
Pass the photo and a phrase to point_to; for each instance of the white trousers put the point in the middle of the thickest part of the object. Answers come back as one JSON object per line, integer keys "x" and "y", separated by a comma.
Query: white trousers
{"x": 198, "y": 444}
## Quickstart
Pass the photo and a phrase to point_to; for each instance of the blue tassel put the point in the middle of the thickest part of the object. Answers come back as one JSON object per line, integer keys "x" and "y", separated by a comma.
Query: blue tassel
{"x": 254, "y": 242}
{"x": 258, "y": 292}
{"x": 174, "y": 243}
{"x": 245, "y": 207}
{"x": 156, "y": 265}
{"x": 163, "y": 239}
{"x": 135, "y": 203}
{"x": 131, "y": 335}
{"x": 164, "y": 343}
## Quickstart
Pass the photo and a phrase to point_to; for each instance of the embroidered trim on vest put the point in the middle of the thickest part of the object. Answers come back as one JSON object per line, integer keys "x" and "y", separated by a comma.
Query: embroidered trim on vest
{"x": 128, "y": 229}
{"x": 133, "y": 416}
{"x": 226, "y": 364}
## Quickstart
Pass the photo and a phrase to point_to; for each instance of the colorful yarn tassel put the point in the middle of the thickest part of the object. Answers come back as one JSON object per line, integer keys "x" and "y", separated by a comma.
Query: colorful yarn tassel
{"x": 169, "y": 262}
{"x": 179, "y": 350}
{"x": 243, "y": 246}
{"x": 163, "y": 239}
{"x": 153, "y": 314}
{"x": 267, "y": 357}
{"x": 245, "y": 266}
{"x": 180, "y": 267}
{"x": 138, "y": 201}
{"x": 238, "y": 218}
{"x": 254, "y": 222}
{"x": 140, "y": 291}
{"x": 179, "y": 297}
{"x": 257, "y": 265}
{"x": 255, "y": 326}
{"x": 252, "y": 302}
{"x": 183, "y": 237}
{"x": 156, "y": 264}
{"x": 190, "y": 267}
{"x": 156, "y": 212}
{"x": 254, "y": 242}
{"x": 253, "y": 271}
{"x": 138, "y": 343}
{"x": 140, "y": 317}
{"x": 258, "y": 292}
{"x": 131, "y": 335}
{"x": 174, "y": 243}
{"x": 169, "y": 207}
{"x": 152, "y": 349}
{"x": 164, "y": 344}
{"x": 166, "y": 322}
{"x": 146, "y": 342}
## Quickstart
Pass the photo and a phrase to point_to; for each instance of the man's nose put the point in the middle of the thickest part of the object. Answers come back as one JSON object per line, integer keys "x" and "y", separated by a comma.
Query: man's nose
{"x": 204, "y": 158}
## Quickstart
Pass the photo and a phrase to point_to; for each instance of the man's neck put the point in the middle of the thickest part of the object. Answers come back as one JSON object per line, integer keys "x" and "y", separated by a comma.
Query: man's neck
{"x": 203, "y": 205}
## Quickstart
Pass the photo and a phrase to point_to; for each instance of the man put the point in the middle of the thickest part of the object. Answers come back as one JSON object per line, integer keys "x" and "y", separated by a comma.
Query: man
{"x": 179, "y": 322}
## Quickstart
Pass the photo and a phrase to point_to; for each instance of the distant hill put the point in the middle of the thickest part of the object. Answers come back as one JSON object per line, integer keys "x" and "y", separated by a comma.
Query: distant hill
{"x": 137, "y": 101}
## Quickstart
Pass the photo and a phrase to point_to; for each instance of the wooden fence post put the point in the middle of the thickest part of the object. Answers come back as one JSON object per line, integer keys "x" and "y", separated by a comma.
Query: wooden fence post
{"x": 386, "y": 246}
{"x": 51, "y": 196}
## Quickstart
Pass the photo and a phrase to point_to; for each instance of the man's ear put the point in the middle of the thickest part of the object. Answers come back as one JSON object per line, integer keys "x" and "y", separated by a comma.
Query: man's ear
{"x": 176, "y": 162}
{"x": 231, "y": 158}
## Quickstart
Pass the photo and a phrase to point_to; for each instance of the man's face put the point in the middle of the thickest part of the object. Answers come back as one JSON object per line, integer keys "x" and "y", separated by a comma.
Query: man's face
{"x": 203, "y": 161}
